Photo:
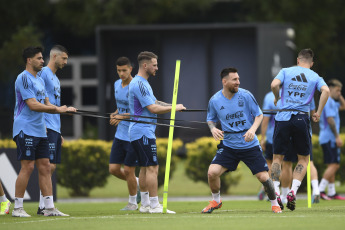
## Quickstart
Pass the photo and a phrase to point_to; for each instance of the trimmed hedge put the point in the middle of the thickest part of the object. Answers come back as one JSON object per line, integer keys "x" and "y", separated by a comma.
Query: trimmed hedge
{"x": 199, "y": 156}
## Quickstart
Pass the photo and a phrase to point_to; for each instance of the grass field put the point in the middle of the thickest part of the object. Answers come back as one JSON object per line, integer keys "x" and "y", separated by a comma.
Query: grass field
{"x": 180, "y": 185}
{"x": 233, "y": 215}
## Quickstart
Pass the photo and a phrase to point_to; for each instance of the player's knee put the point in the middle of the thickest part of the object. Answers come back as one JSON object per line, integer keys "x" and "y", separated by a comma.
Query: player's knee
{"x": 262, "y": 176}
{"x": 212, "y": 174}
{"x": 28, "y": 168}
{"x": 129, "y": 172}
{"x": 114, "y": 170}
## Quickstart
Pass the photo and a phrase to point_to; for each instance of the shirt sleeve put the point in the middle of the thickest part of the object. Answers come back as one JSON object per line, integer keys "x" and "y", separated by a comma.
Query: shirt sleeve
{"x": 142, "y": 93}
{"x": 25, "y": 87}
{"x": 281, "y": 76}
{"x": 320, "y": 83}
{"x": 211, "y": 112}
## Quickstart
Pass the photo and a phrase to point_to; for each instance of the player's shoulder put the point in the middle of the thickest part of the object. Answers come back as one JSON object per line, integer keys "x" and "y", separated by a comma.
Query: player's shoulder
{"x": 23, "y": 79}
{"x": 216, "y": 96}
{"x": 117, "y": 82}
{"x": 44, "y": 72}
{"x": 245, "y": 92}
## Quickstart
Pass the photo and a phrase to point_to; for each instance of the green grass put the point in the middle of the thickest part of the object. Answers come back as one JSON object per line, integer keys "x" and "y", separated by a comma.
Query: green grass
{"x": 233, "y": 215}
{"x": 180, "y": 185}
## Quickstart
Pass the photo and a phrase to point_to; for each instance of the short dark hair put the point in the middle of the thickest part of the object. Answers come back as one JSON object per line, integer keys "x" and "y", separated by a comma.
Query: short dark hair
{"x": 121, "y": 61}
{"x": 225, "y": 72}
{"x": 59, "y": 48}
{"x": 306, "y": 54}
{"x": 334, "y": 83}
{"x": 31, "y": 51}
{"x": 146, "y": 56}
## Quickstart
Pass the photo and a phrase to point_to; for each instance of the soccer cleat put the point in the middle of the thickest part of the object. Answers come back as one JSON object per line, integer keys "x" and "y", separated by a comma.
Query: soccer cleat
{"x": 291, "y": 204}
{"x": 159, "y": 209}
{"x": 212, "y": 206}
{"x": 5, "y": 207}
{"x": 144, "y": 209}
{"x": 40, "y": 211}
{"x": 337, "y": 197}
{"x": 19, "y": 212}
{"x": 261, "y": 195}
{"x": 324, "y": 196}
{"x": 284, "y": 200}
{"x": 276, "y": 209}
{"x": 279, "y": 202}
{"x": 315, "y": 199}
{"x": 130, "y": 207}
{"x": 138, "y": 195}
{"x": 53, "y": 212}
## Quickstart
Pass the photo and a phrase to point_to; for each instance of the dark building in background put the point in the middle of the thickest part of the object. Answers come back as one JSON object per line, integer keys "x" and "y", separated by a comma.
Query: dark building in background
{"x": 258, "y": 51}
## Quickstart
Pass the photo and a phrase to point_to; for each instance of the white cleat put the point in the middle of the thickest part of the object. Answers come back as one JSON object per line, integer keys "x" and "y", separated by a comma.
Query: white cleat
{"x": 144, "y": 209}
{"x": 53, "y": 212}
{"x": 19, "y": 212}
{"x": 159, "y": 209}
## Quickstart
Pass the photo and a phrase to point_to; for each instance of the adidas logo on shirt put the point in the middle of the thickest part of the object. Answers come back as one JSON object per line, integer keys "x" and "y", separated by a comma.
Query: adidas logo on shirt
{"x": 300, "y": 78}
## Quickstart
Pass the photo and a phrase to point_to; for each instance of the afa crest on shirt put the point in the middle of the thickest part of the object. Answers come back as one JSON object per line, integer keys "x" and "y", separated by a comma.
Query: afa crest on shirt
{"x": 240, "y": 102}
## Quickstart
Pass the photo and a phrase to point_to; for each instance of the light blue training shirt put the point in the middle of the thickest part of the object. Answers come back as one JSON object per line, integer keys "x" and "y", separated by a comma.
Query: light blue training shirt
{"x": 140, "y": 96}
{"x": 298, "y": 85}
{"x": 235, "y": 115}
{"x": 30, "y": 122}
{"x": 331, "y": 109}
{"x": 53, "y": 89}
{"x": 121, "y": 98}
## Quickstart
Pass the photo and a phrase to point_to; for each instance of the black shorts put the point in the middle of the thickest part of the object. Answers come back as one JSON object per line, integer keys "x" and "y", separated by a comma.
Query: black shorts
{"x": 297, "y": 130}
{"x": 269, "y": 151}
{"x": 122, "y": 152}
{"x": 146, "y": 150}
{"x": 31, "y": 148}
{"x": 54, "y": 139}
{"x": 331, "y": 153}
{"x": 230, "y": 158}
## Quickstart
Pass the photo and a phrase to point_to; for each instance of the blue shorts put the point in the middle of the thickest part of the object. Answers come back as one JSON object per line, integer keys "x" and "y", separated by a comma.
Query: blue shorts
{"x": 296, "y": 130}
{"x": 122, "y": 152}
{"x": 269, "y": 151}
{"x": 292, "y": 156}
{"x": 146, "y": 150}
{"x": 54, "y": 139}
{"x": 31, "y": 148}
{"x": 229, "y": 158}
{"x": 331, "y": 153}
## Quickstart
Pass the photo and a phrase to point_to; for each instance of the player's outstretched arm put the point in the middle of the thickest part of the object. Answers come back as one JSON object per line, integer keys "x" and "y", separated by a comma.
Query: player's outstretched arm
{"x": 159, "y": 109}
{"x": 264, "y": 126}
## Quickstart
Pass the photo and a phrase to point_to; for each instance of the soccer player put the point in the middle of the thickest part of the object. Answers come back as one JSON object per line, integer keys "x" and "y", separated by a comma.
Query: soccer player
{"x": 286, "y": 174}
{"x": 58, "y": 59}
{"x": 122, "y": 152}
{"x": 298, "y": 84}
{"x": 4, "y": 202}
{"x": 330, "y": 140}
{"x": 142, "y": 102}
{"x": 29, "y": 132}
{"x": 240, "y": 116}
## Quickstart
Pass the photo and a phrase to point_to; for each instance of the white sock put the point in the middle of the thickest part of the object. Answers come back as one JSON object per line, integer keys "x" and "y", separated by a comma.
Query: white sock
{"x": 295, "y": 185}
{"x": 145, "y": 199}
{"x": 276, "y": 187}
{"x": 285, "y": 191}
{"x": 315, "y": 186}
{"x": 3, "y": 198}
{"x": 331, "y": 189}
{"x": 41, "y": 204}
{"x": 274, "y": 202}
{"x": 48, "y": 202}
{"x": 137, "y": 181}
{"x": 216, "y": 197}
{"x": 323, "y": 184}
{"x": 154, "y": 201}
{"x": 18, "y": 202}
{"x": 132, "y": 199}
